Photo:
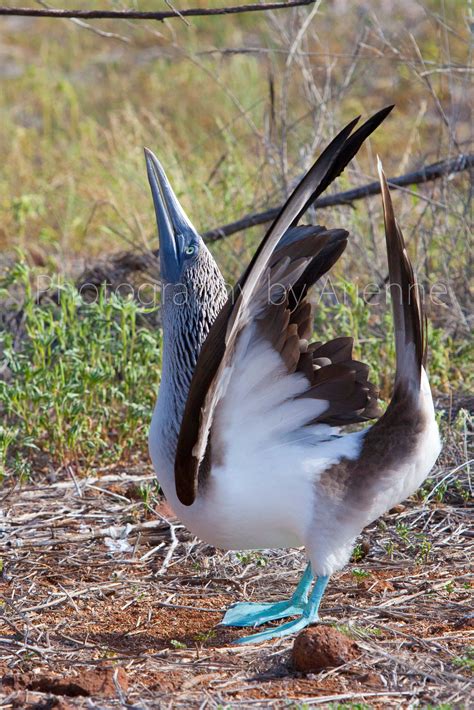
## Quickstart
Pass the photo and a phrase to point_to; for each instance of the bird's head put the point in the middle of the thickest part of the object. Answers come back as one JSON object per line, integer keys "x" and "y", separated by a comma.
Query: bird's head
{"x": 194, "y": 290}
{"x": 180, "y": 244}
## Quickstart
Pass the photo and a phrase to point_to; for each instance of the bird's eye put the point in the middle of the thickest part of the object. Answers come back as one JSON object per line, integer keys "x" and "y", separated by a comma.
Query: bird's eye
{"x": 189, "y": 250}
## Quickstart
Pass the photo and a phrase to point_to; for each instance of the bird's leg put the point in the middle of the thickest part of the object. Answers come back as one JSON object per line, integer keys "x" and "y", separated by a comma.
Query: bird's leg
{"x": 253, "y": 614}
{"x": 309, "y": 616}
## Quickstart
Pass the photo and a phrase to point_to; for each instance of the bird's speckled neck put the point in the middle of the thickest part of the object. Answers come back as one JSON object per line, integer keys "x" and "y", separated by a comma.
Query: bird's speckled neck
{"x": 188, "y": 311}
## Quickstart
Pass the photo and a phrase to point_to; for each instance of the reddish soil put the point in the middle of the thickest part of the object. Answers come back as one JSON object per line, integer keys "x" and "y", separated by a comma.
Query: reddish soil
{"x": 92, "y": 614}
{"x": 102, "y": 682}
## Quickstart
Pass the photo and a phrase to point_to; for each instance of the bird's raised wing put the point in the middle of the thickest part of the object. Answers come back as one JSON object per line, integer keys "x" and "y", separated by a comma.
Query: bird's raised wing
{"x": 269, "y": 302}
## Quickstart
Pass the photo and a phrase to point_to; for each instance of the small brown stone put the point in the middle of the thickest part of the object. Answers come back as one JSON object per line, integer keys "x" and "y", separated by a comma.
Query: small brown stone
{"x": 319, "y": 647}
{"x": 397, "y": 509}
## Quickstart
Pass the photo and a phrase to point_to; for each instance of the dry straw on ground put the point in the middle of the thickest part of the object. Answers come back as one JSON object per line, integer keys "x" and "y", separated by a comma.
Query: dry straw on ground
{"x": 108, "y": 603}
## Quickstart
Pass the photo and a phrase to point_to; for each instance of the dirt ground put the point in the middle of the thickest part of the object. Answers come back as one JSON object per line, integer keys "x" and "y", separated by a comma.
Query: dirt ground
{"x": 106, "y": 603}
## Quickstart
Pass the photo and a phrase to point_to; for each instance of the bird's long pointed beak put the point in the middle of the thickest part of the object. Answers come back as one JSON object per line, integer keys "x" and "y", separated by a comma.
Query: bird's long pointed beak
{"x": 173, "y": 223}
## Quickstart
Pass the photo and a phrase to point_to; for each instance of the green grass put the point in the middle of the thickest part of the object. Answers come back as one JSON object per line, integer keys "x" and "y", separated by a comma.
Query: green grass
{"x": 77, "y": 110}
{"x": 82, "y": 383}
{"x": 342, "y": 308}
{"x": 83, "y": 378}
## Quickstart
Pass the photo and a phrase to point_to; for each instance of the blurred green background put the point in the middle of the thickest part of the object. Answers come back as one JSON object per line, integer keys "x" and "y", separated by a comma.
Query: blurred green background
{"x": 236, "y": 108}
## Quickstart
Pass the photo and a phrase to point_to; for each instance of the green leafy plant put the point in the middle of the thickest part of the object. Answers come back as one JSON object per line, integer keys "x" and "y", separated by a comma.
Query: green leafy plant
{"x": 248, "y": 558}
{"x": 205, "y": 636}
{"x": 450, "y": 587}
{"x": 467, "y": 660}
{"x": 82, "y": 381}
{"x": 178, "y": 644}
{"x": 358, "y": 553}
{"x": 148, "y": 493}
{"x": 390, "y": 548}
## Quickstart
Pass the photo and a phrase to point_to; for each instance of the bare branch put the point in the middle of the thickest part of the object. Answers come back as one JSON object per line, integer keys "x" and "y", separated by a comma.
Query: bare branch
{"x": 159, "y": 16}
{"x": 426, "y": 174}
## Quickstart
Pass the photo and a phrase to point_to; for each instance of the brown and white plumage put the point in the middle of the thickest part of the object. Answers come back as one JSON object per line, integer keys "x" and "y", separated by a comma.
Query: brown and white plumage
{"x": 308, "y": 262}
{"x": 260, "y": 461}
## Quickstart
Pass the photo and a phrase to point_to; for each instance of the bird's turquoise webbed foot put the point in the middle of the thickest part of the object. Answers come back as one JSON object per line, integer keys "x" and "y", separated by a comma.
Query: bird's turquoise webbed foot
{"x": 254, "y": 613}
{"x": 309, "y": 616}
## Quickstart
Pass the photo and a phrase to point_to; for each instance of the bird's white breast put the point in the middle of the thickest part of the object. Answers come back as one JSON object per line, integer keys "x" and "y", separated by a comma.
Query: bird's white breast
{"x": 263, "y": 493}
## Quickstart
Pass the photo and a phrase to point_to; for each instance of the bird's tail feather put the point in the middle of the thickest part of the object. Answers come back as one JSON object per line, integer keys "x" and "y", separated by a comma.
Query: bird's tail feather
{"x": 408, "y": 316}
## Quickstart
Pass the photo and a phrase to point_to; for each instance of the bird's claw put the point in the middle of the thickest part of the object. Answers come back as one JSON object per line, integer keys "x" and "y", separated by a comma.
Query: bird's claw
{"x": 291, "y": 627}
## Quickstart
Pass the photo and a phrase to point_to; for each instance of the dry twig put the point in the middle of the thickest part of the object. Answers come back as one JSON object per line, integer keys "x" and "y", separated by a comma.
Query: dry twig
{"x": 426, "y": 174}
{"x": 159, "y": 16}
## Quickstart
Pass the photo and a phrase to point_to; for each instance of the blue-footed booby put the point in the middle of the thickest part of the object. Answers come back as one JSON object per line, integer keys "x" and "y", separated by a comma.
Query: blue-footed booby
{"x": 246, "y": 435}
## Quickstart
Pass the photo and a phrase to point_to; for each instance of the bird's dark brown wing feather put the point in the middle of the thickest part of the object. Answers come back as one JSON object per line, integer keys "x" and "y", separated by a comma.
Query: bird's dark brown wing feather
{"x": 299, "y": 267}
{"x": 330, "y": 368}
